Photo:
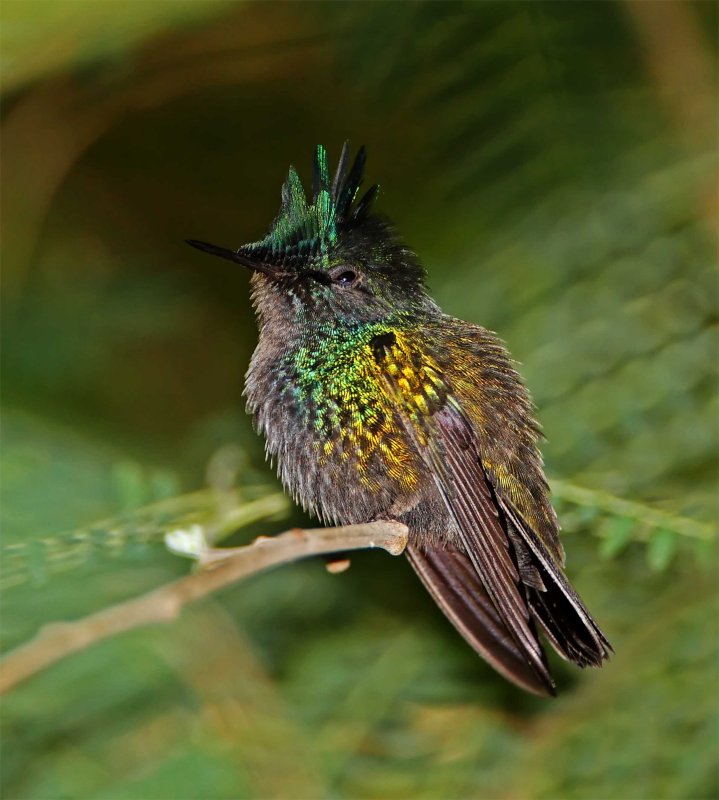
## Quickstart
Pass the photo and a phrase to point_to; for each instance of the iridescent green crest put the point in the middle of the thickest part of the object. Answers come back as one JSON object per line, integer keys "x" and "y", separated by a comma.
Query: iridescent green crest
{"x": 307, "y": 232}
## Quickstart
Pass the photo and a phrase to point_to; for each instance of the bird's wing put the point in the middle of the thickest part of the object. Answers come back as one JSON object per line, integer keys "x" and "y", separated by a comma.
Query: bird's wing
{"x": 497, "y": 406}
{"x": 449, "y": 451}
{"x": 514, "y": 568}
{"x": 513, "y": 571}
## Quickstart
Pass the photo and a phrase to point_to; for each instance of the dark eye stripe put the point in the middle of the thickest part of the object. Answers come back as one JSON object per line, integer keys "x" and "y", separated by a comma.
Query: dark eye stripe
{"x": 319, "y": 276}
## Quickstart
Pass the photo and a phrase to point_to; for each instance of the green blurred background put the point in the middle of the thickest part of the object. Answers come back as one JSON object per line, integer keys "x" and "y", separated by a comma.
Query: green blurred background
{"x": 555, "y": 166}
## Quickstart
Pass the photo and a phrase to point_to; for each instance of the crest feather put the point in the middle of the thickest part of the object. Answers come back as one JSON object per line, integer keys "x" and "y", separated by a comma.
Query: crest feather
{"x": 307, "y": 232}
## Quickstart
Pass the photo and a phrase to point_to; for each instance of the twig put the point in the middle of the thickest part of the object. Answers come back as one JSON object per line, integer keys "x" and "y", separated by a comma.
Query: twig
{"x": 217, "y": 513}
{"x": 61, "y": 639}
{"x": 618, "y": 506}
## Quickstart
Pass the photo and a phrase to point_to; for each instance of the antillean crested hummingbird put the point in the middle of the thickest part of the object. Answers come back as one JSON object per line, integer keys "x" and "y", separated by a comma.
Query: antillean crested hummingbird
{"x": 377, "y": 405}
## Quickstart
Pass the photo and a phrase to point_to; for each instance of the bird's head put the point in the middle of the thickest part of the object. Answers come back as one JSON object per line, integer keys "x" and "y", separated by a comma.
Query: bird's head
{"x": 332, "y": 259}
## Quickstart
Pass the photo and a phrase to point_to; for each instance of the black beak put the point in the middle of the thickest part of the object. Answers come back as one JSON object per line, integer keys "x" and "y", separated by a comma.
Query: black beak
{"x": 237, "y": 257}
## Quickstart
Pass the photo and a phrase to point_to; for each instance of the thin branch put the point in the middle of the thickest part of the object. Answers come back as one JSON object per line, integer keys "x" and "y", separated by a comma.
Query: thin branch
{"x": 61, "y": 639}
{"x": 619, "y": 507}
{"x": 218, "y": 512}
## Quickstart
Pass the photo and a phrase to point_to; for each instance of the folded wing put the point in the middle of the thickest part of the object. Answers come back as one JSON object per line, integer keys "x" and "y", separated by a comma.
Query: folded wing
{"x": 506, "y": 580}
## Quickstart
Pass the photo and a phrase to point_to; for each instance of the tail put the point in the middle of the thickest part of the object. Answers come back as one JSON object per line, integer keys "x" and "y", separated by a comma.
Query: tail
{"x": 450, "y": 577}
{"x": 453, "y": 582}
{"x": 552, "y": 600}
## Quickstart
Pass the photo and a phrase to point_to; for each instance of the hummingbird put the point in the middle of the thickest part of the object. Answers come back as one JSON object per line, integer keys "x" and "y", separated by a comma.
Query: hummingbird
{"x": 376, "y": 405}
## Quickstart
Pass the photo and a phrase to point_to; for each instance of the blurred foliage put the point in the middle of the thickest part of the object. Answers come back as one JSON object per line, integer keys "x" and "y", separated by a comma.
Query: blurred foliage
{"x": 555, "y": 166}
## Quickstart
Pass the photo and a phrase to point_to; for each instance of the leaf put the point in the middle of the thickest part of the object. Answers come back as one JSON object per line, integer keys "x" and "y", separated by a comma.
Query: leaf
{"x": 132, "y": 487}
{"x": 661, "y": 548}
{"x": 616, "y": 535}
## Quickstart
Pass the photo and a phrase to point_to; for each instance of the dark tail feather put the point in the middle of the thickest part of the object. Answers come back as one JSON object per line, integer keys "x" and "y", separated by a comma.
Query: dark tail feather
{"x": 452, "y": 580}
{"x": 566, "y": 622}
{"x": 554, "y": 603}
{"x": 568, "y": 639}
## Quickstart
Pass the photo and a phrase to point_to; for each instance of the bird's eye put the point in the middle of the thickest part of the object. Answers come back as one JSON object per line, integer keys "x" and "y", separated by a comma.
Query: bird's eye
{"x": 346, "y": 278}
